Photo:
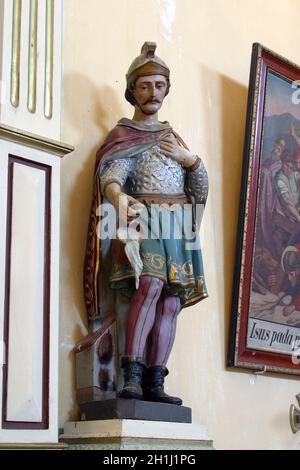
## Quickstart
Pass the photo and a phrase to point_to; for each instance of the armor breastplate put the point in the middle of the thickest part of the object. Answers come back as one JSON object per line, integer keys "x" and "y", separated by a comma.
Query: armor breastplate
{"x": 156, "y": 173}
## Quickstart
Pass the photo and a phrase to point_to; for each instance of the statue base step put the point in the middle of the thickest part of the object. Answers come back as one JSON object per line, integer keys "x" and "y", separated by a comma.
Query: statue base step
{"x": 130, "y": 434}
{"x": 33, "y": 446}
{"x": 134, "y": 409}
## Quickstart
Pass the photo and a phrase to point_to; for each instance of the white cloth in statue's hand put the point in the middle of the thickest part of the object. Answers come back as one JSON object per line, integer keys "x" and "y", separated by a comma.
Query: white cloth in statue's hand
{"x": 132, "y": 250}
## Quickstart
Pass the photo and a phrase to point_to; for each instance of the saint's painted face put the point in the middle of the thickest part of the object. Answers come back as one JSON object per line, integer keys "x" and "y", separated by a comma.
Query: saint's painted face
{"x": 150, "y": 92}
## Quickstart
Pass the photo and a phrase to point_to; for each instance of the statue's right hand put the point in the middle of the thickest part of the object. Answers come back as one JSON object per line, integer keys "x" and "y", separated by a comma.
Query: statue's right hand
{"x": 128, "y": 208}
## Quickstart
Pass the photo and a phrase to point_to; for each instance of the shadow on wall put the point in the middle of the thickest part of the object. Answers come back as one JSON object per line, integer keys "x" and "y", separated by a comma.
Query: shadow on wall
{"x": 88, "y": 106}
{"x": 89, "y": 112}
{"x": 225, "y": 117}
{"x": 234, "y": 109}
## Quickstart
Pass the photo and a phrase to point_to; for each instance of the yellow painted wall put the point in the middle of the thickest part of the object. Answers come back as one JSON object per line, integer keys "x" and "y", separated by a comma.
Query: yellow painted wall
{"x": 207, "y": 44}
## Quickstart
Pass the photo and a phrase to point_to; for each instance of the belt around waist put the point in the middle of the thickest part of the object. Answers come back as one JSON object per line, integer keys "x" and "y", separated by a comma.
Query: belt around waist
{"x": 169, "y": 199}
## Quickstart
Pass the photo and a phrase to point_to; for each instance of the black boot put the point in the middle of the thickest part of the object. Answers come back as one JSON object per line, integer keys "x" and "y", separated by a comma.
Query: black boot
{"x": 153, "y": 386}
{"x": 133, "y": 370}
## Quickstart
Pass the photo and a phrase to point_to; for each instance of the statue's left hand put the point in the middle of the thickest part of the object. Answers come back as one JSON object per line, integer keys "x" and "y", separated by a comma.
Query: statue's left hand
{"x": 171, "y": 148}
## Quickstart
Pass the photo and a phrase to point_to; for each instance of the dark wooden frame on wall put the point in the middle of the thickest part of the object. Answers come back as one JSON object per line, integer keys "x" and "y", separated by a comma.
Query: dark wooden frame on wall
{"x": 239, "y": 355}
{"x": 44, "y": 423}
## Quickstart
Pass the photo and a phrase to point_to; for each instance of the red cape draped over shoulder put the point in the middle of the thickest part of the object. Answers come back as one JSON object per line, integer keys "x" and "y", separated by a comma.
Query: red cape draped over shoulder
{"x": 123, "y": 137}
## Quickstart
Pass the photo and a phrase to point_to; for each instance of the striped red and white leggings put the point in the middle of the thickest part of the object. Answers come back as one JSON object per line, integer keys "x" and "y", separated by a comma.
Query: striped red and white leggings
{"x": 152, "y": 318}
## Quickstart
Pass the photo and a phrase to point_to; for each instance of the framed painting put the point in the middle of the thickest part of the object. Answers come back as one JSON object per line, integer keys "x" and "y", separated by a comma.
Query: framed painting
{"x": 265, "y": 322}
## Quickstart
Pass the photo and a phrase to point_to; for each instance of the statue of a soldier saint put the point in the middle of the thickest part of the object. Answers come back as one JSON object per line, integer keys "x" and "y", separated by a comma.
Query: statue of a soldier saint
{"x": 146, "y": 172}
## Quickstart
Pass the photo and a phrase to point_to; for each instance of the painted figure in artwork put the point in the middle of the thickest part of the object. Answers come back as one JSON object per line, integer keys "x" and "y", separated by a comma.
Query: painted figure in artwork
{"x": 276, "y": 281}
{"x": 291, "y": 266}
{"x": 157, "y": 185}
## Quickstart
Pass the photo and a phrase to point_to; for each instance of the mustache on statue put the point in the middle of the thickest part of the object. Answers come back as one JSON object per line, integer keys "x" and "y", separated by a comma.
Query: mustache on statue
{"x": 152, "y": 101}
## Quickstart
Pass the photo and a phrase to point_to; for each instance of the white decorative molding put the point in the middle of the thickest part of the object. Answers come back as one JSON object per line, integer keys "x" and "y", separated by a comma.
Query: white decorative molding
{"x": 35, "y": 141}
{"x": 26, "y": 321}
{"x": 15, "y": 53}
{"x": 48, "y": 103}
{"x": 26, "y": 294}
{"x": 32, "y": 56}
{"x": 31, "y": 66}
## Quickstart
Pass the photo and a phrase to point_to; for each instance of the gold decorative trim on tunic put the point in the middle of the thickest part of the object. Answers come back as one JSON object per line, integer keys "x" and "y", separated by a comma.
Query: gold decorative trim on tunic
{"x": 190, "y": 291}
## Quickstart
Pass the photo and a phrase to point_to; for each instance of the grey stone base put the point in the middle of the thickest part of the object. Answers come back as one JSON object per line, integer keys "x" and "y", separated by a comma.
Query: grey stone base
{"x": 135, "y": 435}
{"x": 135, "y": 409}
{"x": 60, "y": 446}
{"x": 142, "y": 444}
